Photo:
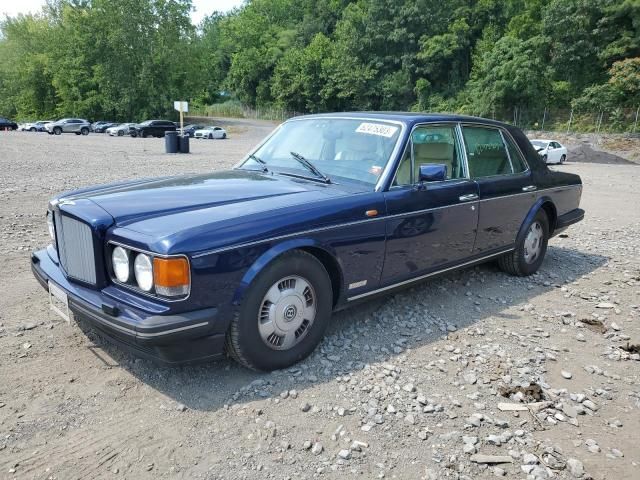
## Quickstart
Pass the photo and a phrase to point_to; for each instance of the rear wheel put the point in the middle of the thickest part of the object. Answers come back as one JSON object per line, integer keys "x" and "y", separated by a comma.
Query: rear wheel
{"x": 284, "y": 314}
{"x": 530, "y": 249}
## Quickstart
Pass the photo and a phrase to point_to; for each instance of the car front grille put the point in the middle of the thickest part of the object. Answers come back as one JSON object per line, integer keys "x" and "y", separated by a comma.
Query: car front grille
{"x": 75, "y": 248}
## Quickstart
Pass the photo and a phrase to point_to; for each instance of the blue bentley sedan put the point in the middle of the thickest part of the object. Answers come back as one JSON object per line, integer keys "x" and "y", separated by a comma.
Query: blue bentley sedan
{"x": 328, "y": 210}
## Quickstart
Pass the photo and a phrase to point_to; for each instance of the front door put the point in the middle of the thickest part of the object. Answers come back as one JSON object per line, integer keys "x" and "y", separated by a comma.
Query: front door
{"x": 433, "y": 224}
{"x": 506, "y": 189}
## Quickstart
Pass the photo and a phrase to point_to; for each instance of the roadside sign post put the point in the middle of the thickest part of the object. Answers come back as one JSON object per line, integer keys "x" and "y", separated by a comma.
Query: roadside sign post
{"x": 182, "y": 107}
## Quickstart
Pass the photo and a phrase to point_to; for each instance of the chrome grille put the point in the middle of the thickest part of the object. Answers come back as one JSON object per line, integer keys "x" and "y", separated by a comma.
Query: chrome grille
{"x": 75, "y": 248}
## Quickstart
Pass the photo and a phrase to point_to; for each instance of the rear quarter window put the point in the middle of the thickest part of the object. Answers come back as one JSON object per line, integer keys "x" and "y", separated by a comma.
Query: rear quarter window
{"x": 518, "y": 162}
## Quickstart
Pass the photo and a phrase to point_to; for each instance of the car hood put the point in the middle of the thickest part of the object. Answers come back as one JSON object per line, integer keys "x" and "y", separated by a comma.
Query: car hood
{"x": 206, "y": 197}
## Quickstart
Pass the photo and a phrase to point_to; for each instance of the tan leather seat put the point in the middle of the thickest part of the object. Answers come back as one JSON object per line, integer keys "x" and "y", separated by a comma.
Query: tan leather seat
{"x": 439, "y": 152}
{"x": 361, "y": 147}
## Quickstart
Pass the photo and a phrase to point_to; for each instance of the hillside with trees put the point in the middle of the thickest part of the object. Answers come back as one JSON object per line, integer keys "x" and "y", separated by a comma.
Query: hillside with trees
{"x": 125, "y": 59}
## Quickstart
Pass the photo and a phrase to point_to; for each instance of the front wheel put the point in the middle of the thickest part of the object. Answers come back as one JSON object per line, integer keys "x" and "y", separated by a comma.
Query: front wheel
{"x": 120, "y": 133}
{"x": 84, "y": 131}
{"x": 57, "y": 131}
{"x": 284, "y": 314}
{"x": 544, "y": 158}
{"x": 224, "y": 135}
{"x": 32, "y": 129}
{"x": 530, "y": 250}
{"x": 562, "y": 159}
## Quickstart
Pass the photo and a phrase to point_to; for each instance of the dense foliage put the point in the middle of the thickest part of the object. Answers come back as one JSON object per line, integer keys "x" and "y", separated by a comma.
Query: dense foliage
{"x": 126, "y": 59}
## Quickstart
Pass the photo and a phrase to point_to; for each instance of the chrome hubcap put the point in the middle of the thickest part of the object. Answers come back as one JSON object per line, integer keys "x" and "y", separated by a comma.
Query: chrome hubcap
{"x": 533, "y": 242}
{"x": 287, "y": 312}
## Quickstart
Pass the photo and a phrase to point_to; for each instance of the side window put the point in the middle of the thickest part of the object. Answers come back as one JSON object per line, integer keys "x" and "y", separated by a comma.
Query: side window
{"x": 486, "y": 153}
{"x": 430, "y": 144}
{"x": 518, "y": 163}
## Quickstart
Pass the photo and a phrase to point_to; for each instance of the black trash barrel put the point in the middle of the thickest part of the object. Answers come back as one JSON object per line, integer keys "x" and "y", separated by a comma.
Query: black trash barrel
{"x": 171, "y": 142}
{"x": 183, "y": 142}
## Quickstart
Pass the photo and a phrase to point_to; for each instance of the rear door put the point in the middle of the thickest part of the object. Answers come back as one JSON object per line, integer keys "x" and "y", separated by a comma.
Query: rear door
{"x": 429, "y": 225}
{"x": 506, "y": 189}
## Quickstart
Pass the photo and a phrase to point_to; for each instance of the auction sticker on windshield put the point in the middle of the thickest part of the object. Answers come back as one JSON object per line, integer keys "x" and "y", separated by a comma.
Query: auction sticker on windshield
{"x": 377, "y": 129}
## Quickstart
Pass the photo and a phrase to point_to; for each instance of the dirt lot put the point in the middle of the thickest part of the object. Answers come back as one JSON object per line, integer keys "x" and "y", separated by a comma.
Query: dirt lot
{"x": 408, "y": 386}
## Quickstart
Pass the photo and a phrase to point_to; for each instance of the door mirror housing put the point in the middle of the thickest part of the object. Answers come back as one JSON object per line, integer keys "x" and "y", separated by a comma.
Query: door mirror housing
{"x": 433, "y": 172}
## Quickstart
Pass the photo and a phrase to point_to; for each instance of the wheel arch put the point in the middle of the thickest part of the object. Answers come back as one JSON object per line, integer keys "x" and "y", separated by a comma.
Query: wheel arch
{"x": 324, "y": 254}
{"x": 545, "y": 204}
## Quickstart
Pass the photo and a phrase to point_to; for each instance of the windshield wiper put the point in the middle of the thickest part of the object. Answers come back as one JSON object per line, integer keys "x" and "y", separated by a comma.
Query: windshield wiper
{"x": 257, "y": 159}
{"x": 310, "y": 167}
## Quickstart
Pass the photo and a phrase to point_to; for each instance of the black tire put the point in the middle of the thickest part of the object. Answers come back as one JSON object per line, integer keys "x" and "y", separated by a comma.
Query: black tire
{"x": 134, "y": 134}
{"x": 143, "y": 134}
{"x": 515, "y": 262}
{"x": 77, "y": 133}
{"x": 244, "y": 342}
{"x": 32, "y": 129}
{"x": 57, "y": 131}
{"x": 120, "y": 133}
{"x": 84, "y": 131}
{"x": 562, "y": 159}
{"x": 224, "y": 135}
{"x": 211, "y": 136}
{"x": 544, "y": 158}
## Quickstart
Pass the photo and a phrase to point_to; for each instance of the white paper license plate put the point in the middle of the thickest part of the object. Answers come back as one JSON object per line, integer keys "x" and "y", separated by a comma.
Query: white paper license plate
{"x": 59, "y": 302}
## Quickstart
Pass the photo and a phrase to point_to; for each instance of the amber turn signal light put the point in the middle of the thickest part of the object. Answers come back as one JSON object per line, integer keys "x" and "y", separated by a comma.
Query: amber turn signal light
{"x": 171, "y": 276}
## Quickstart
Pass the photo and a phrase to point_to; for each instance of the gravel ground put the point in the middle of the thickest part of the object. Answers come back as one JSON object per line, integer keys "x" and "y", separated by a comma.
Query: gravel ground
{"x": 472, "y": 375}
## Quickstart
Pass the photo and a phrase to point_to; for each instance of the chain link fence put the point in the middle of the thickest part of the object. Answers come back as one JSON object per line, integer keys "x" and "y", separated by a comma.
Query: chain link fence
{"x": 621, "y": 120}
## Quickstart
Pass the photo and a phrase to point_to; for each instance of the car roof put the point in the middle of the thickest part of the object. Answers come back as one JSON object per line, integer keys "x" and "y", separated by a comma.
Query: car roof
{"x": 410, "y": 118}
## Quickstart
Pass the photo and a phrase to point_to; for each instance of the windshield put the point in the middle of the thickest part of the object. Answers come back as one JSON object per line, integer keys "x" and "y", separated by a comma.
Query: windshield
{"x": 538, "y": 143}
{"x": 342, "y": 149}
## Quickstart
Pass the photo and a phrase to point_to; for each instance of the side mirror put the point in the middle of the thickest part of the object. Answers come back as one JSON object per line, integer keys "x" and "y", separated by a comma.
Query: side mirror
{"x": 433, "y": 172}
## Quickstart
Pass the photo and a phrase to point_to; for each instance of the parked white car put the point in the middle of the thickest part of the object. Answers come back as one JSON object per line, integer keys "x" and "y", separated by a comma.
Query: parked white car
{"x": 210, "y": 133}
{"x": 120, "y": 130}
{"x": 550, "y": 150}
{"x": 38, "y": 126}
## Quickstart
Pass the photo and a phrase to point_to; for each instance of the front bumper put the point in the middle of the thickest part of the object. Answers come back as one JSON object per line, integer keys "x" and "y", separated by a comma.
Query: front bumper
{"x": 173, "y": 339}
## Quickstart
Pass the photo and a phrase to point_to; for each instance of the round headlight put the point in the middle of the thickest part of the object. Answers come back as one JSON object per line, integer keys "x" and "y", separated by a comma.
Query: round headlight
{"x": 143, "y": 268}
{"x": 52, "y": 232}
{"x": 120, "y": 262}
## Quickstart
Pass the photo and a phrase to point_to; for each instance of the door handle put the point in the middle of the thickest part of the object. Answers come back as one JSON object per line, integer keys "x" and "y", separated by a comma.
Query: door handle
{"x": 468, "y": 197}
{"x": 529, "y": 188}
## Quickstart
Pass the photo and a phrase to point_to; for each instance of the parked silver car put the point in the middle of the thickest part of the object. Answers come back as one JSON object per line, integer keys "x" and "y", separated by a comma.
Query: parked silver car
{"x": 78, "y": 126}
{"x": 120, "y": 130}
